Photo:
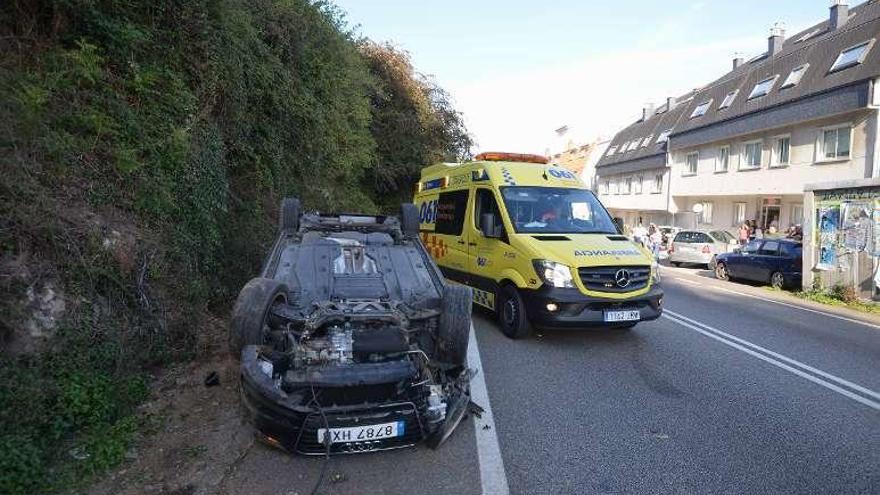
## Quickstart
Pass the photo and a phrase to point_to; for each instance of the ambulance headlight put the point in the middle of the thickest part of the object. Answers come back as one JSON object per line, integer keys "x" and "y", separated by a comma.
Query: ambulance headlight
{"x": 554, "y": 274}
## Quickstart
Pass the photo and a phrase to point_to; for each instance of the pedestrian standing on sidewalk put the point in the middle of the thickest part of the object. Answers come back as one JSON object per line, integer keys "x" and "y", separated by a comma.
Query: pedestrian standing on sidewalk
{"x": 656, "y": 238}
{"x": 743, "y": 234}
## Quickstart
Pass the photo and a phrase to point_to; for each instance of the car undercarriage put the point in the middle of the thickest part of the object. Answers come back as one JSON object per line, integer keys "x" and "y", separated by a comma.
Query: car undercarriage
{"x": 351, "y": 341}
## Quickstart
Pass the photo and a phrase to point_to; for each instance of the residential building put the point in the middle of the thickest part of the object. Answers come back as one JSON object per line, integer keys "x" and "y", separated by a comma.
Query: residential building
{"x": 745, "y": 146}
{"x": 581, "y": 159}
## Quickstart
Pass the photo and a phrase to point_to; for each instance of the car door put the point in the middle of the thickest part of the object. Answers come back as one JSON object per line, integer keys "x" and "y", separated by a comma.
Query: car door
{"x": 740, "y": 265}
{"x": 767, "y": 260}
{"x": 447, "y": 244}
{"x": 487, "y": 256}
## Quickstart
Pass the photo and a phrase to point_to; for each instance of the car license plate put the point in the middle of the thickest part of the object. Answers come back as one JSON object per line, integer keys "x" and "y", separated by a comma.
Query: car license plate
{"x": 364, "y": 433}
{"x": 613, "y": 316}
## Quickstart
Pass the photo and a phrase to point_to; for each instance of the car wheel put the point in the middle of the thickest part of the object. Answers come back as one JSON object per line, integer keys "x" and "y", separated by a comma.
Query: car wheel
{"x": 409, "y": 220}
{"x": 288, "y": 221}
{"x": 249, "y": 324}
{"x": 777, "y": 280}
{"x": 721, "y": 272}
{"x": 455, "y": 325}
{"x": 512, "y": 314}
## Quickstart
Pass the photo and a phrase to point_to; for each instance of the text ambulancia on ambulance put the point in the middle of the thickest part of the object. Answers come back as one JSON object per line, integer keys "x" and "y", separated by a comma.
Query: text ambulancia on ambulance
{"x": 535, "y": 244}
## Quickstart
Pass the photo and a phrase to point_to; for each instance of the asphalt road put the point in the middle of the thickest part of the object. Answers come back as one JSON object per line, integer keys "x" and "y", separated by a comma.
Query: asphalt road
{"x": 727, "y": 393}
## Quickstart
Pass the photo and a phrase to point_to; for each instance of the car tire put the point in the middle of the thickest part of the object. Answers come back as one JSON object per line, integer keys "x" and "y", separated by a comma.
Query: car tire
{"x": 512, "y": 317}
{"x": 409, "y": 220}
{"x": 777, "y": 280}
{"x": 455, "y": 325}
{"x": 248, "y": 325}
{"x": 721, "y": 272}
{"x": 288, "y": 220}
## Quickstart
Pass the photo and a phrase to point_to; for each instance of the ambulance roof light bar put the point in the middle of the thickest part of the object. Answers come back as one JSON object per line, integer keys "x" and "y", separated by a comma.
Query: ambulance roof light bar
{"x": 496, "y": 156}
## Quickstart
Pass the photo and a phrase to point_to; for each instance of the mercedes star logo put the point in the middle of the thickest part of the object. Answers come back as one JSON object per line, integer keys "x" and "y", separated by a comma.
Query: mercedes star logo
{"x": 621, "y": 278}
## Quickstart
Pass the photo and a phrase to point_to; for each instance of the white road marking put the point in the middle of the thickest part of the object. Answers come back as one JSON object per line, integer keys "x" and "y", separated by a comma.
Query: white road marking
{"x": 731, "y": 341}
{"x": 781, "y": 303}
{"x": 788, "y": 360}
{"x": 493, "y": 478}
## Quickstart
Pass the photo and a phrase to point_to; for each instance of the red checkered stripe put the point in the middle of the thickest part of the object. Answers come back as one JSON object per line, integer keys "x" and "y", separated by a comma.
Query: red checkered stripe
{"x": 435, "y": 245}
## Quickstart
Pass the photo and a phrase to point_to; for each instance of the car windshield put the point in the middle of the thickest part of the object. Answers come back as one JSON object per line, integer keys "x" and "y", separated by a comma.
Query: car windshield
{"x": 553, "y": 210}
{"x": 721, "y": 236}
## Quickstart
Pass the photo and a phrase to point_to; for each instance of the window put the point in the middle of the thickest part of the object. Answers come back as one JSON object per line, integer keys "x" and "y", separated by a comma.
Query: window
{"x": 808, "y": 35}
{"x": 752, "y": 155}
{"x": 834, "y": 143}
{"x": 791, "y": 250}
{"x": 606, "y": 187}
{"x": 690, "y": 237}
{"x": 701, "y": 109}
{"x": 739, "y": 213}
{"x": 781, "y": 151}
{"x": 611, "y": 150}
{"x": 728, "y": 100}
{"x": 852, "y": 56}
{"x": 664, "y": 136}
{"x": 722, "y": 236}
{"x": 627, "y": 185}
{"x": 484, "y": 202}
{"x": 658, "y": 184}
{"x": 638, "y": 185}
{"x": 554, "y": 210}
{"x": 451, "y": 207}
{"x": 770, "y": 248}
{"x": 763, "y": 87}
{"x": 797, "y": 214}
{"x": 613, "y": 187}
{"x": 705, "y": 216}
{"x": 752, "y": 247}
{"x": 690, "y": 164}
{"x": 723, "y": 160}
{"x": 647, "y": 140}
{"x": 794, "y": 77}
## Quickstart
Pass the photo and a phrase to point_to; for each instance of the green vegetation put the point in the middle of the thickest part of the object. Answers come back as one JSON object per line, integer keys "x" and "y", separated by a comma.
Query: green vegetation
{"x": 838, "y": 295}
{"x": 144, "y": 148}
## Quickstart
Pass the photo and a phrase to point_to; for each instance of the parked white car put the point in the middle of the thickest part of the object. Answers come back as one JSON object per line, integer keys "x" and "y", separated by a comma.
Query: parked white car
{"x": 700, "y": 246}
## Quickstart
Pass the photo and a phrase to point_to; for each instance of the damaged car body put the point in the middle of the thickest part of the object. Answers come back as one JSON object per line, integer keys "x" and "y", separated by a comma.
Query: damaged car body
{"x": 351, "y": 340}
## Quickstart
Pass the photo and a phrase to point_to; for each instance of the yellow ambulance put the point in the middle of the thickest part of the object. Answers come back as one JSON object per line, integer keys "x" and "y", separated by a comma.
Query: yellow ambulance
{"x": 535, "y": 244}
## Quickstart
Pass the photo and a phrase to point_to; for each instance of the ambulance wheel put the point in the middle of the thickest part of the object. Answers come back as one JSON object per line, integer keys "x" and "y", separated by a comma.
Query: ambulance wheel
{"x": 409, "y": 219}
{"x": 288, "y": 221}
{"x": 512, "y": 314}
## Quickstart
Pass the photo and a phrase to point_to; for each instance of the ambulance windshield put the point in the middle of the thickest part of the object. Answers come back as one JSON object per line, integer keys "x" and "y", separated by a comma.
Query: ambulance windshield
{"x": 553, "y": 210}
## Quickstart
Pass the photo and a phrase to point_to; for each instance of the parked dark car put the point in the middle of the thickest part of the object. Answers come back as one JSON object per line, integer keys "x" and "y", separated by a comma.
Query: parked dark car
{"x": 773, "y": 261}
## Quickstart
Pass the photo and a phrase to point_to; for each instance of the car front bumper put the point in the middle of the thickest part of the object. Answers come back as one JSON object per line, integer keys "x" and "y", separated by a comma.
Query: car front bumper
{"x": 576, "y": 310}
{"x": 291, "y": 420}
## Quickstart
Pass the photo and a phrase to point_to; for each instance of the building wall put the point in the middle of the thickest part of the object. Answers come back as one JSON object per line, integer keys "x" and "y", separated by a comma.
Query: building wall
{"x": 647, "y": 200}
{"x": 768, "y": 180}
{"x": 791, "y": 211}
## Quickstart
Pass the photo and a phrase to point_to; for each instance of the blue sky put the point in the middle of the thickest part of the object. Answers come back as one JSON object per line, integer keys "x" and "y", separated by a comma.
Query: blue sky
{"x": 519, "y": 70}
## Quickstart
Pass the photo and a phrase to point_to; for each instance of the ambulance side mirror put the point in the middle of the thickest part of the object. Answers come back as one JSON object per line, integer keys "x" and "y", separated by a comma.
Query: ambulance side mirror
{"x": 487, "y": 226}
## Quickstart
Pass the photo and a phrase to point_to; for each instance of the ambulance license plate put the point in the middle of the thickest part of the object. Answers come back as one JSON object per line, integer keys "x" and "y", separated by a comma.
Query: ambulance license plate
{"x": 615, "y": 316}
{"x": 364, "y": 433}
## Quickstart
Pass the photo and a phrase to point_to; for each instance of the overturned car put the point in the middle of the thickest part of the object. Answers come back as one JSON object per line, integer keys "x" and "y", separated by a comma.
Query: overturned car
{"x": 350, "y": 340}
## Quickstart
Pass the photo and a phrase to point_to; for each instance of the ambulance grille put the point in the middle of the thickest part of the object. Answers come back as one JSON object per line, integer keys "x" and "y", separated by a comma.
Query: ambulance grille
{"x": 605, "y": 278}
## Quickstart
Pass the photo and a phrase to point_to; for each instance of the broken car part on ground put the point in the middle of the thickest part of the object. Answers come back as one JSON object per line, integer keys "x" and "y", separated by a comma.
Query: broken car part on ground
{"x": 350, "y": 340}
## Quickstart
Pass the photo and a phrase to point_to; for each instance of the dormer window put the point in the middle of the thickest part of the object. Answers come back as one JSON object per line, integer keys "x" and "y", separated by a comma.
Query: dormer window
{"x": 763, "y": 87}
{"x": 728, "y": 100}
{"x": 611, "y": 150}
{"x": 794, "y": 77}
{"x": 852, "y": 56}
{"x": 664, "y": 136}
{"x": 701, "y": 109}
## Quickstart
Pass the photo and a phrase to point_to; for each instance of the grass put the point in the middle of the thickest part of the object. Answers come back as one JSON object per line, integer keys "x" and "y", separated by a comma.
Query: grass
{"x": 837, "y": 297}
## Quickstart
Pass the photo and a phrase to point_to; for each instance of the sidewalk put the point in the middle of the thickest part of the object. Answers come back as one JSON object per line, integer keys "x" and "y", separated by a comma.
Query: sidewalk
{"x": 707, "y": 277}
